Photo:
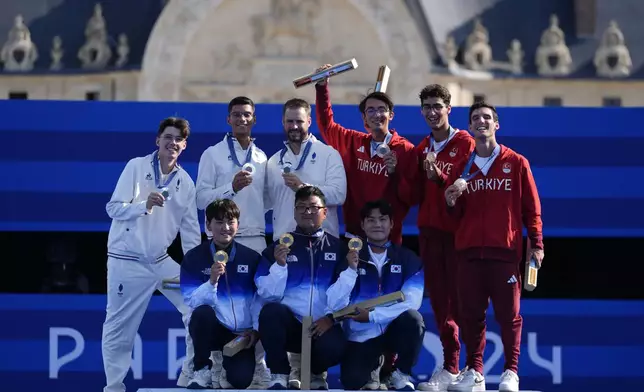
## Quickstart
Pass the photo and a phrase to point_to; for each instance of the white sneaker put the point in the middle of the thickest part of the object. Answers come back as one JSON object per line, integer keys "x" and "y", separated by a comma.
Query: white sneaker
{"x": 294, "y": 378}
{"x": 374, "y": 380}
{"x": 439, "y": 381}
{"x": 278, "y": 381}
{"x": 509, "y": 382}
{"x": 262, "y": 376}
{"x": 201, "y": 379}
{"x": 318, "y": 382}
{"x": 217, "y": 359}
{"x": 401, "y": 381}
{"x": 468, "y": 381}
{"x": 185, "y": 376}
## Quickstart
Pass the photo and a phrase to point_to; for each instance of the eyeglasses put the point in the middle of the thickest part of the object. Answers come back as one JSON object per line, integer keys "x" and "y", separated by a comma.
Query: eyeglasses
{"x": 310, "y": 209}
{"x": 373, "y": 111}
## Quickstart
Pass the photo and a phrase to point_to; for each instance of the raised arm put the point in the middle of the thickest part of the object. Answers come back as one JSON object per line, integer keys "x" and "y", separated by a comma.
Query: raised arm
{"x": 333, "y": 133}
{"x": 121, "y": 206}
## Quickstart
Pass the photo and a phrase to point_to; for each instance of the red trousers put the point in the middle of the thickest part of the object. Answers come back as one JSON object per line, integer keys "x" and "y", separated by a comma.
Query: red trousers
{"x": 478, "y": 282}
{"x": 440, "y": 262}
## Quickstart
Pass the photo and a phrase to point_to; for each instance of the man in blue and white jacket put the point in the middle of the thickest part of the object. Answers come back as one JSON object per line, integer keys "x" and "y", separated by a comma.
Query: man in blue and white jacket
{"x": 153, "y": 201}
{"x": 377, "y": 269}
{"x": 293, "y": 280}
{"x": 223, "y": 298}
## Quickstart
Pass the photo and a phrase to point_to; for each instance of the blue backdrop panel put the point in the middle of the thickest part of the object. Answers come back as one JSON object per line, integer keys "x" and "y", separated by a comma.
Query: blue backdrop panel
{"x": 54, "y": 343}
{"x": 586, "y": 161}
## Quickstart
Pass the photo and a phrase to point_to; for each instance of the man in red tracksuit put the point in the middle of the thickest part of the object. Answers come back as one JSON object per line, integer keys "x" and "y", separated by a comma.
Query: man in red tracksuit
{"x": 369, "y": 176}
{"x": 493, "y": 195}
{"x": 437, "y": 154}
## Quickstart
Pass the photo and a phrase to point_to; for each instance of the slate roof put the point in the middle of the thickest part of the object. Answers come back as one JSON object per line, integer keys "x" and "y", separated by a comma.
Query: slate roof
{"x": 525, "y": 20}
{"x": 68, "y": 18}
{"x": 505, "y": 20}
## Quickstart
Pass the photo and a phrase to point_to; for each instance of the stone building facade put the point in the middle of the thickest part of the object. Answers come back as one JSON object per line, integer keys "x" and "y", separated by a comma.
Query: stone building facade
{"x": 560, "y": 53}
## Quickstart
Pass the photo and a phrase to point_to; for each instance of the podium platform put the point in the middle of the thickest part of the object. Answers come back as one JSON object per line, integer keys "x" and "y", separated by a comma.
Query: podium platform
{"x": 240, "y": 390}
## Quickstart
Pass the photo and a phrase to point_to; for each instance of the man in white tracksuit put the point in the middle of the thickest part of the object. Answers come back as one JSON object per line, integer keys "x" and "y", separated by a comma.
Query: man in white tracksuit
{"x": 223, "y": 175}
{"x": 308, "y": 162}
{"x": 154, "y": 200}
{"x": 304, "y": 160}
{"x": 235, "y": 169}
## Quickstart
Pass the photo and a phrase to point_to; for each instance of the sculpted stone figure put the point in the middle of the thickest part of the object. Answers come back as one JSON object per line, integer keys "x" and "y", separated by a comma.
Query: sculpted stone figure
{"x": 19, "y": 53}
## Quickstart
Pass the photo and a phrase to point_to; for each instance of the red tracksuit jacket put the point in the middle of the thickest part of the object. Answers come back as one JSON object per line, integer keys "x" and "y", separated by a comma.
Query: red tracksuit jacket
{"x": 493, "y": 210}
{"x": 418, "y": 189}
{"x": 367, "y": 177}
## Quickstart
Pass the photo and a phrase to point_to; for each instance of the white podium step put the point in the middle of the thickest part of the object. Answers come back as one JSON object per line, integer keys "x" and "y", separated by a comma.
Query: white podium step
{"x": 240, "y": 390}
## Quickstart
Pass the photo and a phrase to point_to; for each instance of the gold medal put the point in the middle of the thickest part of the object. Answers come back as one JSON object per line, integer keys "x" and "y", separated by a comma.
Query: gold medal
{"x": 221, "y": 257}
{"x": 355, "y": 243}
{"x": 287, "y": 239}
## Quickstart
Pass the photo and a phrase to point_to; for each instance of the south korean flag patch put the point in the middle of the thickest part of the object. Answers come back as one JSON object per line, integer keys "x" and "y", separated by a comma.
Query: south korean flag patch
{"x": 396, "y": 269}
{"x": 242, "y": 269}
{"x": 329, "y": 256}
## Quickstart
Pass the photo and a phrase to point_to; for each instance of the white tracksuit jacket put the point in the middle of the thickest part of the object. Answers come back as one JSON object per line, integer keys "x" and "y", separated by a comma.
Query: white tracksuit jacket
{"x": 323, "y": 168}
{"x": 215, "y": 181}
{"x": 136, "y": 234}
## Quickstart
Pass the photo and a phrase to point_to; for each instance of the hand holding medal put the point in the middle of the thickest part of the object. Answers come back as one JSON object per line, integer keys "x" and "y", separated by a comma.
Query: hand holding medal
{"x": 283, "y": 248}
{"x": 219, "y": 266}
{"x": 355, "y": 245}
{"x": 454, "y": 191}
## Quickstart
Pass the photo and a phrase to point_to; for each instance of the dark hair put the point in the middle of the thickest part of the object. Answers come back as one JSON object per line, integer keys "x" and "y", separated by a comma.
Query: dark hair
{"x": 482, "y": 104}
{"x": 381, "y": 205}
{"x": 221, "y": 209}
{"x": 240, "y": 101}
{"x": 176, "y": 122}
{"x": 308, "y": 191}
{"x": 380, "y": 97}
{"x": 296, "y": 103}
{"x": 435, "y": 91}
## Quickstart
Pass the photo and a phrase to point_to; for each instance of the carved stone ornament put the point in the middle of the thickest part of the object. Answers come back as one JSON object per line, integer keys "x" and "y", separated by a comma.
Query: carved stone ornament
{"x": 553, "y": 56}
{"x": 612, "y": 58}
{"x": 95, "y": 53}
{"x": 478, "y": 53}
{"x": 19, "y": 53}
{"x": 515, "y": 57}
{"x": 123, "y": 51}
{"x": 57, "y": 53}
{"x": 450, "y": 51}
{"x": 288, "y": 29}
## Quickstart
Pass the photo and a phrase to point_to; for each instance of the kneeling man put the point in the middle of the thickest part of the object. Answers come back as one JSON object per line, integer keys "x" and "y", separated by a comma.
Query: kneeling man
{"x": 293, "y": 279}
{"x": 380, "y": 268}
{"x": 220, "y": 290}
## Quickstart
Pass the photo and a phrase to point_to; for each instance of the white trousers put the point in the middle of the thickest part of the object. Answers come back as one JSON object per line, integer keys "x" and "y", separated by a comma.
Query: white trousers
{"x": 130, "y": 285}
{"x": 256, "y": 242}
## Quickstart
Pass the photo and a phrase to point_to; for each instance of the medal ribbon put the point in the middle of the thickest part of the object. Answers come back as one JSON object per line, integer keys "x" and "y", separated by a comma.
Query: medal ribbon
{"x": 305, "y": 154}
{"x": 233, "y": 154}
{"x": 157, "y": 174}
{"x": 470, "y": 161}
{"x": 452, "y": 132}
